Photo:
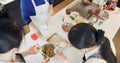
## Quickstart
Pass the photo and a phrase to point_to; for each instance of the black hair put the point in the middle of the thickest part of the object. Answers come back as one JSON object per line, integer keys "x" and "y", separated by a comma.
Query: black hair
{"x": 84, "y": 35}
{"x": 10, "y": 36}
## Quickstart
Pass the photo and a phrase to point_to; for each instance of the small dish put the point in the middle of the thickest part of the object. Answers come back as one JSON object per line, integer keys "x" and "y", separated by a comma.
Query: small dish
{"x": 66, "y": 27}
{"x": 74, "y": 14}
{"x": 58, "y": 50}
{"x": 68, "y": 11}
{"x": 79, "y": 20}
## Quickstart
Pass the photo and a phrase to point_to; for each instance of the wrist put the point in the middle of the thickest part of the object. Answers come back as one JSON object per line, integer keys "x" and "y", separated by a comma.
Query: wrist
{"x": 25, "y": 53}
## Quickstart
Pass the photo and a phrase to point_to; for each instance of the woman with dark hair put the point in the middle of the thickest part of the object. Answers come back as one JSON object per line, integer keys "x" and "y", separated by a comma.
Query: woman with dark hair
{"x": 118, "y": 5}
{"x": 10, "y": 39}
{"x": 85, "y": 37}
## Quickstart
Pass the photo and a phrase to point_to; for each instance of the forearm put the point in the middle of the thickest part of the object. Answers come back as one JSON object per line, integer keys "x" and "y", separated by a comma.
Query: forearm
{"x": 51, "y": 6}
{"x": 116, "y": 0}
{"x": 30, "y": 51}
{"x": 63, "y": 57}
{"x": 51, "y": 11}
{"x": 67, "y": 61}
{"x": 32, "y": 25}
{"x": 25, "y": 53}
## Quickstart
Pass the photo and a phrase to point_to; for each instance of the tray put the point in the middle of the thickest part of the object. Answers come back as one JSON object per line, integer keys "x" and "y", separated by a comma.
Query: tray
{"x": 57, "y": 41}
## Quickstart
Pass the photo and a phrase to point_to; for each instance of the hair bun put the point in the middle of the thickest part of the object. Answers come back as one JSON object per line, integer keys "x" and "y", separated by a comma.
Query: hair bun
{"x": 99, "y": 35}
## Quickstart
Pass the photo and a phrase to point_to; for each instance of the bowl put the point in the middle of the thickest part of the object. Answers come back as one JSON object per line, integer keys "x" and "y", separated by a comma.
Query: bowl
{"x": 74, "y": 14}
{"x": 79, "y": 20}
{"x": 68, "y": 11}
{"x": 66, "y": 26}
{"x": 48, "y": 50}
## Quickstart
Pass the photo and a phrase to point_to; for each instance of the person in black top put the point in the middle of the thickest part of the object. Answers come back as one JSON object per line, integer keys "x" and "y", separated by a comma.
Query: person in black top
{"x": 118, "y": 5}
{"x": 10, "y": 40}
{"x": 85, "y": 37}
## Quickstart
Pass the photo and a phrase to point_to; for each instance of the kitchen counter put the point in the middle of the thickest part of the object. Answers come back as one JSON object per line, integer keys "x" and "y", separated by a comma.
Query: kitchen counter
{"x": 5, "y": 1}
{"x": 110, "y": 27}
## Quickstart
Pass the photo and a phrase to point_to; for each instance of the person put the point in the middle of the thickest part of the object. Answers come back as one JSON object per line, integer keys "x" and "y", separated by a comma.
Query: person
{"x": 118, "y": 5}
{"x": 36, "y": 13}
{"x": 92, "y": 42}
{"x": 10, "y": 40}
{"x": 110, "y": 5}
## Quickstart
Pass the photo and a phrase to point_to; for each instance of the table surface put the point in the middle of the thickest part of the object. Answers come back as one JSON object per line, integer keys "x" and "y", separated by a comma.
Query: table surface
{"x": 5, "y": 1}
{"x": 75, "y": 56}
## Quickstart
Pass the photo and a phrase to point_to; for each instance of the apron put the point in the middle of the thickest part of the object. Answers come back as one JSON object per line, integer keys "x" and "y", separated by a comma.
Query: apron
{"x": 41, "y": 17}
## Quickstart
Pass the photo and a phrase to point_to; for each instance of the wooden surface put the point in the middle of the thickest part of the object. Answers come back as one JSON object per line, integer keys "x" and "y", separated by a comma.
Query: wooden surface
{"x": 116, "y": 41}
{"x": 62, "y": 5}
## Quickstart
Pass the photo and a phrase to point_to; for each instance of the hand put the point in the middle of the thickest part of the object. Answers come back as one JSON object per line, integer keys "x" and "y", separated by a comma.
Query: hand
{"x": 30, "y": 51}
{"x": 39, "y": 34}
{"x": 46, "y": 60}
{"x": 62, "y": 56}
{"x": 115, "y": 2}
{"x": 37, "y": 31}
{"x": 50, "y": 11}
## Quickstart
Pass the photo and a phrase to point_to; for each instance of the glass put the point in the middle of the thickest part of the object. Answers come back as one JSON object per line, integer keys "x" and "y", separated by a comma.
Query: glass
{"x": 58, "y": 50}
{"x": 66, "y": 26}
{"x": 47, "y": 22}
{"x": 100, "y": 22}
{"x": 93, "y": 20}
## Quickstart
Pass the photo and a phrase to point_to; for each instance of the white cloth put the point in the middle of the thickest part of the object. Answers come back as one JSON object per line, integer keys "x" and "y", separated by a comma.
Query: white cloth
{"x": 89, "y": 53}
{"x": 95, "y": 60}
{"x": 41, "y": 18}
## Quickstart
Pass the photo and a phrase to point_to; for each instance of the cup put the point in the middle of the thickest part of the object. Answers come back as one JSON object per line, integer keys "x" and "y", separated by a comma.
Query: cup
{"x": 47, "y": 22}
{"x": 68, "y": 11}
{"x": 58, "y": 50}
{"x": 66, "y": 26}
{"x": 78, "y": 20}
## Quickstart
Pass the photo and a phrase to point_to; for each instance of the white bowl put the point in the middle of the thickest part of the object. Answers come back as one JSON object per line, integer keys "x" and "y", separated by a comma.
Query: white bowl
{"x": 74, "y": 14}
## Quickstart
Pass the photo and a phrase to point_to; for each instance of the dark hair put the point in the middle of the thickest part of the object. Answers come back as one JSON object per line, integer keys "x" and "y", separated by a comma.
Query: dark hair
{"x": 10, "y": 36}
{"x": 84, "y": 35}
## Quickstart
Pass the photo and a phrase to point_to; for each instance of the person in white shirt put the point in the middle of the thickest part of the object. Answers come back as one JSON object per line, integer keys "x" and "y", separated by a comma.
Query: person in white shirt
{"x": 92, "y": 42}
